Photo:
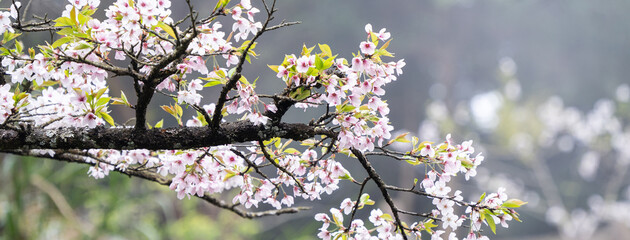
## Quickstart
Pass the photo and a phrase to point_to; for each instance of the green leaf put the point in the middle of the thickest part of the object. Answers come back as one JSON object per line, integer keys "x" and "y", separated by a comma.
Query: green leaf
{"x": 513, "y": 214}
{"x": 220, "y": 73}
{"x": 325, "y": 50}
{"x": 166, "y": 28}
{"x": 286, "y": 144}
{"x": 346, "y": 177}
{"x": 73, "y": 15}
{"x": 304, "y": 93}
{"x": 400, "y": 138}
{"x": 513, "y": 203}
{"x": 66, "y": 32}
{"x": 267, "y": 142}
{"x": 414, "y": 141}
{"x": 202, "y": 119}
{"x": 329, "y": 62}
{"x": 83, "y": 19}
{"x": 319, "y": 64}
{"x": 82, "y": 35}
{"x": 88, "y": 11}
{"x": 168, "y": 109}
{"x": 99, "y": 109}
{"x": 386, "y": 45}
{"x": 82, "y": 45}
{"x": 124, "y": 98}
{"x": 179, "y": 110}
{"x": 61, "y": 41}
{"x": 18, "y": 97}
{"x": 387, "y": 217}
{"x": 312, "y": 71}
{"x": 221, "y": 4}
{"x": 100, "y": 92}
{"x": 159, "y": 124}
{"x": 491, "y": 223}
{"x": 413, "y": 161}
{"x": 273, "y": 67}
{"x": 243, "y": 79}
{"x": 347, "y": 108}
{"x": 364, "y": 197}
{"x": 291, "y": 151}
{"x": 231, "y": 72}
{"x": 228, "y": 176}
{"x": 218, "y": 5}
{"x": 49, "y": 83}
{"x": 108, "y": 118}
{"x": 44, "y": 51}
{"x": 63, "y": 21}
{"x": 430, "y": 223}
{"x": 102, "y": 101}
{"x": 384, "y": 52}
{"x": 467, "y": 164}
{"x": 374, "y": 38}
{"x": 212, "y": 83}
{"x": 19, "y": 46}
{"x": 307, "y": 51}
{"x": 117, "y": 101}
{"x": 8, "y": 36}
{"x": 338, "y": 236}
{"x": 4, "y": 51}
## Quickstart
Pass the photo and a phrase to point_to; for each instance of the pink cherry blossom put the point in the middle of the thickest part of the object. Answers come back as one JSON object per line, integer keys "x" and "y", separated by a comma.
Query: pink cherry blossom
{"x": 367, "y": 48}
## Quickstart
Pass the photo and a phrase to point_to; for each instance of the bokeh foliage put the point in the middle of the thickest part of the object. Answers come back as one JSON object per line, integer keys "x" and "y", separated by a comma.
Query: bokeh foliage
{"x": 45, "y": 199}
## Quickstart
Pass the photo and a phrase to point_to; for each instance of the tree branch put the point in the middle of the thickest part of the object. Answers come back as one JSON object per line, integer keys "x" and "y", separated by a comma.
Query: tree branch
{"x": 152, "y": 139}
{"x": 382, "y": 186}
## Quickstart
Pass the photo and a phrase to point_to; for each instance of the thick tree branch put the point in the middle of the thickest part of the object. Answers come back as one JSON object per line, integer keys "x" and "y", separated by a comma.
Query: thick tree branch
{"x": 152, "y": 139}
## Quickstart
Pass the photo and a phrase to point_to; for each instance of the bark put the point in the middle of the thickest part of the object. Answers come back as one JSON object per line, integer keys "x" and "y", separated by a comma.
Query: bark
{"x": 153, "y": 139}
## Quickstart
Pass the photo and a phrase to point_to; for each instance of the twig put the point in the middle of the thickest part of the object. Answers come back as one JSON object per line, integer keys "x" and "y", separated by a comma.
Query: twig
{"x": 356, "y": 204}
{"x": 273, "y": 162}
{"x": 382, "y": 186}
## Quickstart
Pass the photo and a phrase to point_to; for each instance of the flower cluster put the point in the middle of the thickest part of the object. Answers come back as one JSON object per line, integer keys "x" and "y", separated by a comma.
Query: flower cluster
{"x": 383, "y": 224}
{"x": 216, "y": 169}
{"x": 364, "y": 124}
{"x": 138, "y": 30}
{"x": 5, "y": 17}
{"x": 107, "y": 160}
{"x": 6, "y": 102}
{"x": 444, "y": 160}
{"x": 245, "y": 26}
{"x": 356, "y": 94}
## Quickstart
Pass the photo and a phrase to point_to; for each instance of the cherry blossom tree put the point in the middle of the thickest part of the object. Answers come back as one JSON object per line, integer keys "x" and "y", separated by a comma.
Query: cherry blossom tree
{"x": 55, "y": 103}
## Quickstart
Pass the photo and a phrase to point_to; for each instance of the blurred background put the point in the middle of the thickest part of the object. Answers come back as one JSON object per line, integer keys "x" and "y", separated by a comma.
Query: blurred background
{"x": 541, "y": 86}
